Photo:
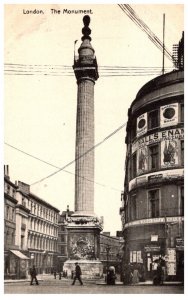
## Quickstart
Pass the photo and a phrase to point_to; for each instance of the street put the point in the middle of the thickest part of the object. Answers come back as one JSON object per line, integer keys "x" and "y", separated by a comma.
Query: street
{"x": 56, "y": 286}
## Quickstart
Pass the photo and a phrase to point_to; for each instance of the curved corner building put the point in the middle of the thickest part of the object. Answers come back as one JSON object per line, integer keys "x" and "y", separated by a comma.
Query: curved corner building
{"x": 153, "y": 213}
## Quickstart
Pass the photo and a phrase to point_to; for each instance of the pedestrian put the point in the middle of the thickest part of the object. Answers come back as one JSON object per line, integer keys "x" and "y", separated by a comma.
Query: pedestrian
{"x": 136, "y": 275}
{"x": 55, "y": 273}
{"x": 163, "y": 266}
{"x": 59, "y": 275}
{"x": 33, "y": 274}
{"x": 78, "y": 273}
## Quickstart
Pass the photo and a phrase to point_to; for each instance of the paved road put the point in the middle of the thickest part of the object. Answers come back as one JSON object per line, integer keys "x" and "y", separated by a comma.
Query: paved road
{"x": 65, "y": 287}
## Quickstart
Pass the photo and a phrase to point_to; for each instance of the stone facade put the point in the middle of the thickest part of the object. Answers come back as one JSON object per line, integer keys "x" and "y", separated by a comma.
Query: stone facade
{"x": 152, "y": 209}
{"x": 31, "y": 231}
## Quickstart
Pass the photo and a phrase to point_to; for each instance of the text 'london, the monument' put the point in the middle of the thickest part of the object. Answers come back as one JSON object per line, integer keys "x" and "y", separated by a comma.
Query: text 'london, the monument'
{"x": 84, "y": 226}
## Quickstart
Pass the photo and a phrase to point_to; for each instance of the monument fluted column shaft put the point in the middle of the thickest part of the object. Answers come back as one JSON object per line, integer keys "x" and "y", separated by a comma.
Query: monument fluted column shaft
{"x": 83, "y": 225}
{"x": 84, "y": 179}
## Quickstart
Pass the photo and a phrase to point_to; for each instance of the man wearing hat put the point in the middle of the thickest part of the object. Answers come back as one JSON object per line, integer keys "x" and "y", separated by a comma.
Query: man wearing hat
{"x": 78, "y": 273}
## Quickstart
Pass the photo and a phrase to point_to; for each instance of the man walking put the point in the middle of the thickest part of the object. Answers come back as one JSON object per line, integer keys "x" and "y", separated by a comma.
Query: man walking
{"x": 33, "y": 274}
{"x": 77, "y": 275}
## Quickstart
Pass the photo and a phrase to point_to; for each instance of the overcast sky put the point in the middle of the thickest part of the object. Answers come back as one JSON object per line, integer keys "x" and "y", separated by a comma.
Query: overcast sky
{"x": 40, "y": 110}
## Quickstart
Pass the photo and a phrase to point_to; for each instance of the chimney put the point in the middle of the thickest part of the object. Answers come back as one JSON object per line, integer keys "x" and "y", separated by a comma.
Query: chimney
{"x": 6, "y": 171}
{"x": 25, "y": 188}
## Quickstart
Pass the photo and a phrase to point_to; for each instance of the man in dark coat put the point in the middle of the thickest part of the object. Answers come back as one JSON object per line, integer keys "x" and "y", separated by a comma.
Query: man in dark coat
{"x": 77, "y": 275}
{"x": 33, "y": 274}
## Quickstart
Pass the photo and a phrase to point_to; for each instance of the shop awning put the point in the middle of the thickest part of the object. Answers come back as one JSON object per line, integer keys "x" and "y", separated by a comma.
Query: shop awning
{"x": 19, "y": 254}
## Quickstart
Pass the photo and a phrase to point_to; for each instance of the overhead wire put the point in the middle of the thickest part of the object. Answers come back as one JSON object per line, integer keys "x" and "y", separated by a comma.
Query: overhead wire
{"x": 77, "y": 158}
{"x": 63, "y": 70}
{"x": 54, "y": 166}
{"x": 80, "y": 156}
{"x": 128, "y": 10}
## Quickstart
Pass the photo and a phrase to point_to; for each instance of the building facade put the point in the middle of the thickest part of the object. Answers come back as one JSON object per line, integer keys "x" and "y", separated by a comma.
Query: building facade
{"x": 152, "y": 209}
{"x": 111, "y": 251}
{"x": 10, "y": 203}
{"x": 30, "y": 231}
{"x": 63, "y": 239}
{"x": 42, "y": 228}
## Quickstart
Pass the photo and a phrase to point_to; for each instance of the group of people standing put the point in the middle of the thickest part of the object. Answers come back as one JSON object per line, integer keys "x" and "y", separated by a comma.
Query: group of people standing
{"x": 133, "y": 274}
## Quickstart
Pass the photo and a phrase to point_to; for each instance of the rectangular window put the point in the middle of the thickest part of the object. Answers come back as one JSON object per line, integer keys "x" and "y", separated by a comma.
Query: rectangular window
{"x": 134, "y": 165}
{"x": 153, "y": 119}
{"x": 182, "y": 201}
{"x": 182, "y": 153}
{"x": 182, "y": 113}
{"x": 22, "y": 241}
{"x": 133, "y": 207}
{"x": 154, "y": 157}
{"x": 133, "y": 129}
{"x": 153, "y": 197}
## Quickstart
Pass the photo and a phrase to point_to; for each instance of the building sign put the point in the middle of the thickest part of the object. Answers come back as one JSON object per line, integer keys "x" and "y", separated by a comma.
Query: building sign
{"x": 142, "y": 160}
{"x": 152, "y": 248}
{"x": 169, "y": 115}
{"x": 154, "y": 221}
{"x": 171, "y": 268}
{"x": 169, "y": 154}
{"x": 156, "y": 177}
{"x": 141, "y": 125}
{"x": 166, "y": 135}
{"x": 171, "y": 261}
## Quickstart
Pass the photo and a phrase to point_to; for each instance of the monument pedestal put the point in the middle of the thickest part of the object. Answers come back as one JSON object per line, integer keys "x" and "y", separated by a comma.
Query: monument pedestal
{"x": 91, "y": 269}
{"x": 84, "y": 245}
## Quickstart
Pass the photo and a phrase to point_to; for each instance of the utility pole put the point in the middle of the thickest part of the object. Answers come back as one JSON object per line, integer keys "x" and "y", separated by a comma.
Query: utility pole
{"x": 163, "y": 42}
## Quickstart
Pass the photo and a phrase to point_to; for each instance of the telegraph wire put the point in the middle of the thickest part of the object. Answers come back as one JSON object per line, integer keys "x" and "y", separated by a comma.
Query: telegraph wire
{"x": 63, "y": 70}
{"x": 128, "y": 10}
{"x": 73, "y": 161}
{"x": 54, "y": 166}
{"x": 105, "y": 71}
{"x": 77, "y": 158}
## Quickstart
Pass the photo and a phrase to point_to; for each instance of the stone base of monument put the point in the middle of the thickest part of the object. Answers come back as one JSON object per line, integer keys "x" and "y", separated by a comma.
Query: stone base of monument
{"x": 91, "y": 269}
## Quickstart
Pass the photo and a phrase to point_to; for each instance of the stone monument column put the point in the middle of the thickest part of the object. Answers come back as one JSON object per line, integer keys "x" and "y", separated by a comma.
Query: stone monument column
{"x": 86, "y": 72}
{"x": 83, "y": 225}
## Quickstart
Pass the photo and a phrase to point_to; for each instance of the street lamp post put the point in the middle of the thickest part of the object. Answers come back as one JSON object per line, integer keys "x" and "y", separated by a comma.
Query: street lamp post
{"x": 107, "y": 256}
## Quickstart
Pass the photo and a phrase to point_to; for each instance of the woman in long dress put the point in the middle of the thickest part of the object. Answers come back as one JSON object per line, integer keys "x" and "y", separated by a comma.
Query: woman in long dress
{"x": 135, "y": 278}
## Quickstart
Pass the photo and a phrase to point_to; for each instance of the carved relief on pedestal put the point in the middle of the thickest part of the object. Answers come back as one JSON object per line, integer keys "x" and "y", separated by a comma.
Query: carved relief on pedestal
{"x": 82, "y": 248}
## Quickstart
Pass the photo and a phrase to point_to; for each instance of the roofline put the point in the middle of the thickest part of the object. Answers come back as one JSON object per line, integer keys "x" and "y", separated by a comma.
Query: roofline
{"x": 43, "y": 202}
{"x": 155, "y": 83}
{"x": 10, "y": 182}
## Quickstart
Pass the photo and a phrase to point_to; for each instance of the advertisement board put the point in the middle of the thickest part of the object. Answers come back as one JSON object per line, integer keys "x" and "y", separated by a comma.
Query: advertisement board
{"x": 169, "y": 115}
{"x": 165, "y": 135}
{"x": 141, "y": 125}
{"x": 169, "y": 153}
{"x": 142, "y": 160}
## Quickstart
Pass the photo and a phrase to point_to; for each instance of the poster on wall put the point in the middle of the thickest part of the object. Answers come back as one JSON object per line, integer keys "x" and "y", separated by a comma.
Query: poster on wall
{"x": 171, "y": 261}
{"x": 169, "y": 115}
{"x": 142, "y": 157}
{"x": 141, "y": 125}
{"x": 169, "y": 153}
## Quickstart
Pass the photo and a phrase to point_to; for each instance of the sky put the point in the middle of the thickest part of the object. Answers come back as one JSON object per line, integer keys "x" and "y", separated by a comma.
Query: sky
{"x": 40, "y": 110}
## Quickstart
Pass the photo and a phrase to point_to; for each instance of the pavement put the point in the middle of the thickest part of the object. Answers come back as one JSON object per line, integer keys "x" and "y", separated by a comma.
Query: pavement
{"x": 49, "y": 277}
{"x": 49, "y": 285}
